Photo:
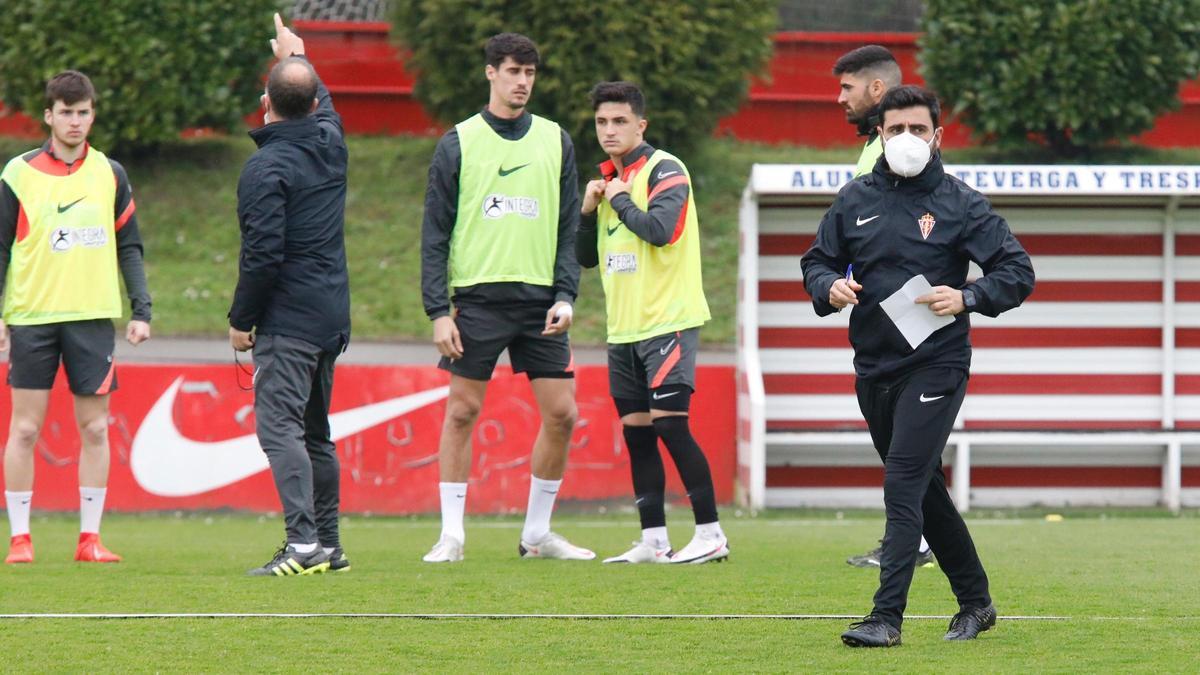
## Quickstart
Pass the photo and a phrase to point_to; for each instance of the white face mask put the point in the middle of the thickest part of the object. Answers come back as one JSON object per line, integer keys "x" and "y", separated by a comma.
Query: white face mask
{"x": 907, "y": 154}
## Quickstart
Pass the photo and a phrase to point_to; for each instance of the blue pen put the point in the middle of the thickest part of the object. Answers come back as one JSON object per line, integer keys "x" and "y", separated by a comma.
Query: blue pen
{"x": 849, "y": 271}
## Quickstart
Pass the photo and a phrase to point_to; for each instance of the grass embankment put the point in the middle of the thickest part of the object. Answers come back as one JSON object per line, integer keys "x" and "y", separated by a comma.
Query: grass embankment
{"x": 186, "y": 196}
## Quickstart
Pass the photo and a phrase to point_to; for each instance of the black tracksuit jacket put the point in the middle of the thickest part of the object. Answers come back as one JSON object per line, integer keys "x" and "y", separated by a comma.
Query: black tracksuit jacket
{"x": 292, "y": 276}
{"x": 874, "y": 223}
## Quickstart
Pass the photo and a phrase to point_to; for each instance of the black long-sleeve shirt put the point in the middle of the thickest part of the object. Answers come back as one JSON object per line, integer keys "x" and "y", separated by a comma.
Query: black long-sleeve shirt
{"x": 129, "y": 239}
{"x": 658, "y": 225}
{"x": 441, "y": 212}
{"x": 892, "y": 229}
{"x": 292, "y": 276}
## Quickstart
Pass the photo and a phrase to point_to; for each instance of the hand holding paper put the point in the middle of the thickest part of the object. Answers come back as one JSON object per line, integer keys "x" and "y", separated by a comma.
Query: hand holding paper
{"x": 943, "y": 300}
{"x": 908, "y": 309}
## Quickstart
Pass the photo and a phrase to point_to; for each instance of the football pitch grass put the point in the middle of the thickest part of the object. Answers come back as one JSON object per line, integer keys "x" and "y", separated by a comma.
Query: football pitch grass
{"x": 1124, "y": 581}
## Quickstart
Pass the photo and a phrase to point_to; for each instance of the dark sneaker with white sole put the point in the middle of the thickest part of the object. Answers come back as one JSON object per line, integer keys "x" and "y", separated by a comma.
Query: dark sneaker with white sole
{"x": 969, "y": 623}
{"x": 289, "y": 562}
{"x": 871, "y": 558}
{"x": 871, "y": 632}
{"x": 338, "y": 562}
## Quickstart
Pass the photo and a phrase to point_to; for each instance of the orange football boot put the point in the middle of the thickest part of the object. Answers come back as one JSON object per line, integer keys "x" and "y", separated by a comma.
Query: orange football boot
{"x": 91, "y": 550}
{"x": 20, "y": 550}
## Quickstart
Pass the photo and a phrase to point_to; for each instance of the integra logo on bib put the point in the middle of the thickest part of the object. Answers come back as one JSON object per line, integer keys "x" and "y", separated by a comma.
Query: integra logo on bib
{"x": 498, "y": 206}
{"x": 64, "y": 238}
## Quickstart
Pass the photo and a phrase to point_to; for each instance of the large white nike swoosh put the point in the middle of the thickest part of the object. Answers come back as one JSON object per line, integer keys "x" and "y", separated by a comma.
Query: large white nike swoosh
{"x": 167, "y": 464}
{"x": 863, "y": 221}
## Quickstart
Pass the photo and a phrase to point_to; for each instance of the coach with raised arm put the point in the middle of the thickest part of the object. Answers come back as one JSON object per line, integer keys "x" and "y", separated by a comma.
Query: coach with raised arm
{"x": 292, "y": 303}
{"x": 905, "y": 220}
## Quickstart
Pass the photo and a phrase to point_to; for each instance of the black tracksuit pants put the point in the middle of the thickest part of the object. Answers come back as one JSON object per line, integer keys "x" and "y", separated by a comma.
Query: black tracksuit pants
{"x": 293, "y": 384}
{"x": 910, "y": 418}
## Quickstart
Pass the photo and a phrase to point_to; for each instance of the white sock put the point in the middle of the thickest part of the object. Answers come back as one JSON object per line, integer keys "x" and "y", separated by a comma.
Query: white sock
{"x": 656, "y": 537}
{"x": 710, "y": 530}
{"x": 303, "y": 548}
{"x": 18, "y": 511}
{"x": 542, "y": 494}
{"x": 454, "y": 504}
{"x": 91, "y": 507}
{"x": 924, "y": 546}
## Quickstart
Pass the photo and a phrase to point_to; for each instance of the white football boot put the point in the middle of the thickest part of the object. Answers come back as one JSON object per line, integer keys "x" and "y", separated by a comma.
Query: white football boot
{"x": 702, "y": 549}
{"x": 448, "y": 549}
{"x": 556, "y": 547}
{"x": 643, "y": 552}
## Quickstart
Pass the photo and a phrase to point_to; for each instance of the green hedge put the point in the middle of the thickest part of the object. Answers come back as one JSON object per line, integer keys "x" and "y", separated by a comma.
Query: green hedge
{"x": 1074, "y": 73}
{"x": 159, "y": 67}
{"x": 692, "y": 59}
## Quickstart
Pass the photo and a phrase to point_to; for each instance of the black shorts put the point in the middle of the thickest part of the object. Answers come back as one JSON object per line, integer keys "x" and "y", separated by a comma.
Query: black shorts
{"x": 654, "y": 369}
{"x": 84, "y": 347}
{"x": 486, "y": 331}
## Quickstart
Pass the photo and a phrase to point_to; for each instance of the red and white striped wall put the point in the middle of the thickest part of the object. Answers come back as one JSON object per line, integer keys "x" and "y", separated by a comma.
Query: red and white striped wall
{"x": 1109, "y": 342}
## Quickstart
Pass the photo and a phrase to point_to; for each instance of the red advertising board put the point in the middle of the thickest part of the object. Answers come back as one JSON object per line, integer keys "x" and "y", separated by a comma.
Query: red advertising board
{"x": 182, "y": 437}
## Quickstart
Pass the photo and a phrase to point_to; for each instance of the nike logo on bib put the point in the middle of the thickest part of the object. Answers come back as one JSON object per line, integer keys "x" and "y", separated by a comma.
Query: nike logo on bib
{"x": 505, "y": 172}
{"x": 927, "y": 399}
{"x": 613, "y": 230}
{"x": 63, "y": 209}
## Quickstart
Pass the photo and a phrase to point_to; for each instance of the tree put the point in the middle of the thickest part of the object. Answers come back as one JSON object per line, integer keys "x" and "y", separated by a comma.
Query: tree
{"x": 158, "y": 67}
{"x": 692, "y": 59}
{"x": 1072, "y": 73}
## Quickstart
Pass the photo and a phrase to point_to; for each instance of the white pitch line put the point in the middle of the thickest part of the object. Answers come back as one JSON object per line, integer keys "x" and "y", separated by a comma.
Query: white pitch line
{"x": 632, "y": 518}
{"x": 586, "y": 617}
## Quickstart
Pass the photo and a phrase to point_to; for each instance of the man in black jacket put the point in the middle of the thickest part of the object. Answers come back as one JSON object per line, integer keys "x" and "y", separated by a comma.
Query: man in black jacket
{"x": 292, "y": 303}
{"x": 864, "y": 76}
{"x": 909, "y": 218}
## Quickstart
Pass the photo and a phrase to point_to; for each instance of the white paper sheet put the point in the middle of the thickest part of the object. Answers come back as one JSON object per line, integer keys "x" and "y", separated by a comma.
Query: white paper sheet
{"x": 916, "y": 322}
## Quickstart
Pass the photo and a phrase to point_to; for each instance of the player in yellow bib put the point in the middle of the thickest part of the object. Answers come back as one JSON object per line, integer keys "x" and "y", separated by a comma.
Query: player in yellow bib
{"x": 497, "y": 242}
{"x": 639, "y": 225}
{"x": 67, "y": 228}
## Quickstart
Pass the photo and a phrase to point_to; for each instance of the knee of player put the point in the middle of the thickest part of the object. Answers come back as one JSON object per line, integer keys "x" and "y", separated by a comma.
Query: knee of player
{"x": 94, "y": 432}
{"x": 462, "y": 413}
{"x": 24, "y": 432}
{"x": 562, "y": 417}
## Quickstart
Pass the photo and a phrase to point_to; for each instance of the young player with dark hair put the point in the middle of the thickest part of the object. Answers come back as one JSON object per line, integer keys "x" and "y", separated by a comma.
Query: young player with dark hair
{"x": 640, "y": 225}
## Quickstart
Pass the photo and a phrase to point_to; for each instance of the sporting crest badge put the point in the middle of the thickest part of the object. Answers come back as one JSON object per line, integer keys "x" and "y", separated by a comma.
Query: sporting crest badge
{"x": 926, "y": 222}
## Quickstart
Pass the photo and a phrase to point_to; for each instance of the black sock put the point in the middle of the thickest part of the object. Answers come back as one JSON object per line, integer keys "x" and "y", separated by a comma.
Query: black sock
{"x": 692, "y": 465}
{"x": 649, "y": 477}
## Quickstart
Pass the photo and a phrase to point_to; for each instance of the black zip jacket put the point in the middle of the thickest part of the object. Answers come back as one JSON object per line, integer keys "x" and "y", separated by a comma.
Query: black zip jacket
{"x": 292, "y": 277}
{"x": 441, "y": 212}
{"x": 875, "y": 224}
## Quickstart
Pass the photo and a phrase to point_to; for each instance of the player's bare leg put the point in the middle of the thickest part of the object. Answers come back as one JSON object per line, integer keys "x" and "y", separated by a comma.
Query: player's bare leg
{"x": 28, "y": 412}
{"x": 454, "y": 464}
{"x": 91, "y": 416}
{"x": 556, "y": 404}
